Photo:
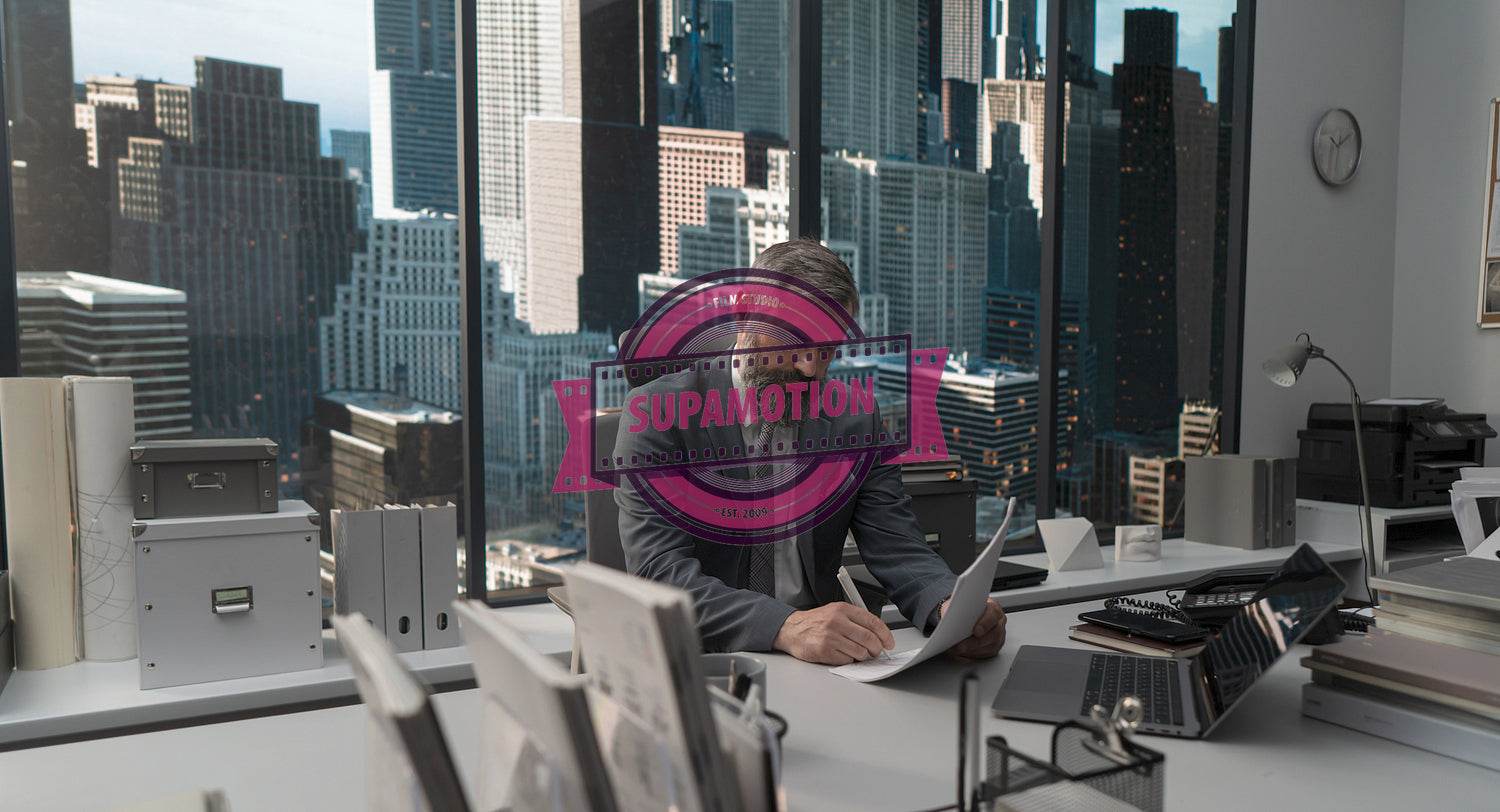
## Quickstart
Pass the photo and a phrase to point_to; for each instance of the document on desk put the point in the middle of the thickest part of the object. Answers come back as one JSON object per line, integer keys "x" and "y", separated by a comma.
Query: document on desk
{"x": 970, "y": 594}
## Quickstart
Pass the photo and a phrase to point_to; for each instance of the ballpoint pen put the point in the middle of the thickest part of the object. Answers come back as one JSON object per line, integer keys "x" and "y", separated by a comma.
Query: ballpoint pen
{"x": 851, "y": 592}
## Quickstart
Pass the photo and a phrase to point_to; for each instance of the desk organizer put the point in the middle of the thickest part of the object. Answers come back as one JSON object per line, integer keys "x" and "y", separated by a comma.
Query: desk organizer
{"x": 1138, "y": 783}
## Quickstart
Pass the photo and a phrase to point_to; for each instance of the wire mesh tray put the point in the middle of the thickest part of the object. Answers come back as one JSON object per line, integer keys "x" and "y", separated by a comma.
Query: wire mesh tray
{"x": 1076, "y": 759}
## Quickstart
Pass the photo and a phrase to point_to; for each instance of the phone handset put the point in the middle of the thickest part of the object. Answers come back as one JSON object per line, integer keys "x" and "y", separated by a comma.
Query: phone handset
{"x": 1217, "y": 595}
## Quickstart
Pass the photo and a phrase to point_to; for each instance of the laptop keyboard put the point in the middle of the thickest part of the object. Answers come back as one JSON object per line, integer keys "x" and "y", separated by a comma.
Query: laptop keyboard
{"x": 1152, "y": 680}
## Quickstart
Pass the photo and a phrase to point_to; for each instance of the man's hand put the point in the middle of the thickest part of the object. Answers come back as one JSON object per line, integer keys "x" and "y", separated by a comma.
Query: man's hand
{"x": 988, "y": 636}
{"x": 834, "y": 634}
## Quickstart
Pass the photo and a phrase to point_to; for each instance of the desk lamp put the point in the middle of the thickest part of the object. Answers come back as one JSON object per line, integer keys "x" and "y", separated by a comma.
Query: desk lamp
{"x": 1284, "y": 368}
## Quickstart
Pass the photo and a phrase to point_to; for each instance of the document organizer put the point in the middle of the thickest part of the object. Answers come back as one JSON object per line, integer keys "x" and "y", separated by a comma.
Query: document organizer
{"x": 1009, "y": 772}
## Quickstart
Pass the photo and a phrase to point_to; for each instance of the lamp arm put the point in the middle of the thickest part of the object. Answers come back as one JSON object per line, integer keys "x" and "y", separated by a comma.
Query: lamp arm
{"x": 1364, "y": 481}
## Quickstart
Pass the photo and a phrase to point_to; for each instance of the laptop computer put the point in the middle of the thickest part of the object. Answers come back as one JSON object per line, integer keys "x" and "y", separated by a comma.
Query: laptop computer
{"x": 1186, "y": 698}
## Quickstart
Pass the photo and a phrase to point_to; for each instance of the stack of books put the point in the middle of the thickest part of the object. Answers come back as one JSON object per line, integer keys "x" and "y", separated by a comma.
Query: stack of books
{"x": 1134, "y": 644}
{"x": 1428, "y": 675}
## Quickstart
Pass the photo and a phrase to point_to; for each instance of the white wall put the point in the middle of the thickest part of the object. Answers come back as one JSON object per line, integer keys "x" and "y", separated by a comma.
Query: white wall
{"x": 1451, "y": 69}
{"x": 1320, "y": 259}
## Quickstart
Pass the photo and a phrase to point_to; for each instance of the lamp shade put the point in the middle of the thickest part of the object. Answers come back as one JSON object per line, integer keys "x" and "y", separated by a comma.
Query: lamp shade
{"x": 1285, "y": 367}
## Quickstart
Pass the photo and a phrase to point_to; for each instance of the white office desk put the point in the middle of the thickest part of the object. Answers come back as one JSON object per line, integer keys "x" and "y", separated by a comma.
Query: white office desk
{"x": 102, "y": 699}
{"x": 886, "y": 746}
{"x": 89, "y": 698}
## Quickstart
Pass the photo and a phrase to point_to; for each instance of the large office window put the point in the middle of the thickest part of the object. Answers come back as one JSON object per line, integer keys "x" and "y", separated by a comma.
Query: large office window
{"x": 252, "y": 219}
{"x": 264, "y": 230}
{"x": 1144, "y": 260}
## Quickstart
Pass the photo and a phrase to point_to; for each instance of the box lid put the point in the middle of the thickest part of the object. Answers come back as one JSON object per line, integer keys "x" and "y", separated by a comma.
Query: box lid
{"x": 249, "y": 448}
{"x": 292, "y": 515}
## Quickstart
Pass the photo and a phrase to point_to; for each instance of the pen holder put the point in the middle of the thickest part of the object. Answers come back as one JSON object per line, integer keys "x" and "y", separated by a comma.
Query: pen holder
{"x": 1138, "y": 783}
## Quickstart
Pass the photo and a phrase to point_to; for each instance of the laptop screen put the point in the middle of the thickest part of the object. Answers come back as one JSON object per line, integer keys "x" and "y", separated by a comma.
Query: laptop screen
{"x": 1283, "y": 611}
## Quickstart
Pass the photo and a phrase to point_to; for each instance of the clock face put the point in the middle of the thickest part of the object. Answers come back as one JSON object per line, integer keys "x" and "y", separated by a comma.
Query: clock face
{"x": 1336, "y": 147}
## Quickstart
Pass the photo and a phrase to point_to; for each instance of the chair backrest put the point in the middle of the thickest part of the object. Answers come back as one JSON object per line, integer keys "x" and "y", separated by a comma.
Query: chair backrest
{"x": 601, "y": 514}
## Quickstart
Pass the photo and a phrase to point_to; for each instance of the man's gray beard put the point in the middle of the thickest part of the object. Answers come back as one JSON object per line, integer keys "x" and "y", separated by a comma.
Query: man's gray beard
{"x": 759, "y": 378}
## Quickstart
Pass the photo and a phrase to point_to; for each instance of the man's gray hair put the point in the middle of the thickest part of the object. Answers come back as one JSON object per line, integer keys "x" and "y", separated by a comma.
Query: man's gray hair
{"x": 812, "y": 262}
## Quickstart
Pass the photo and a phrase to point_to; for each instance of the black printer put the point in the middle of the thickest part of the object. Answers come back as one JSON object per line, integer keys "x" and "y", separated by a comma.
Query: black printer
{"x": 1414, "y": 450}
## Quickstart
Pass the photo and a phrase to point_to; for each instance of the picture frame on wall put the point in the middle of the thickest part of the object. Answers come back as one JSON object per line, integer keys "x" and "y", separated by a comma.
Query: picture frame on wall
{"x": 1489, "y": 265}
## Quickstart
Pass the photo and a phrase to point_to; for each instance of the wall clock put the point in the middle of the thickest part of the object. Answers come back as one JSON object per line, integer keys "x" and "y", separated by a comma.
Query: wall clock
{"x": 1336, "y": 147}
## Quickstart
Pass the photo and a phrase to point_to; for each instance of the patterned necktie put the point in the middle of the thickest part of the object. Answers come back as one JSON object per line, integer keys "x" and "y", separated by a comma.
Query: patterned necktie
{"x": 762, "y": 575}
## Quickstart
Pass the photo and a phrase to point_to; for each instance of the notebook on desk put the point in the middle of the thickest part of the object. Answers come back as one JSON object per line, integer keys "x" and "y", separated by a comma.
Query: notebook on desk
{"x": 1182, "y": 697}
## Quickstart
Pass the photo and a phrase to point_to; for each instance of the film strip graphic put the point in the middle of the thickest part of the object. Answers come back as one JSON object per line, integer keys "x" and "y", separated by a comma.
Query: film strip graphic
{"x": 704, "y": 411}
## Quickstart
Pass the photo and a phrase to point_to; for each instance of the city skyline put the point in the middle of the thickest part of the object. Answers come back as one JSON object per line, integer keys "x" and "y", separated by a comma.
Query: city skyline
{"x": 126, "y": 39}
{"x": 589, "y": 200}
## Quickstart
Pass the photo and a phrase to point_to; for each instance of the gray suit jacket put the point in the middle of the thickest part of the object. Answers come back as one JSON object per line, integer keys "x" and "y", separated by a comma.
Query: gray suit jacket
{"x": 731, "y": 618}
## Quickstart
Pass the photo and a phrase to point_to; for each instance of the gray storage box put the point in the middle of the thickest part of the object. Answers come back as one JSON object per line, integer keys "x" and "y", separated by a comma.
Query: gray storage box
{"x": 1241, "y": 500}
{"x": 174, "y": 478}
{"x": 228, "y": 596}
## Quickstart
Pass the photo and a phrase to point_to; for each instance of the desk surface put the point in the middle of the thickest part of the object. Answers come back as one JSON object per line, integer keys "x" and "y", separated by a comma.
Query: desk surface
{"x": 96, "y": 699}
{"x": 890, "y": 745}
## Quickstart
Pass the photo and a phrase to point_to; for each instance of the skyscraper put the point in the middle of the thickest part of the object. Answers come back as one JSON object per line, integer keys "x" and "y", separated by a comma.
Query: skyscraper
{"x": 870, "y": 78}
{"x": 591, "y": 189}
{"x": 59, "y": 213}
{"x": 394, "y": 326}
{"x": 693, "y": 160}
{"x": 353, "y": 148}
{"x": 962, "y": 76}
{"x": 520, "y": 74}
{"x": 760, "y": 67}
{"x": 233, "y": 205}
{"x": 1168, "y": 141}
{"x": 413, "y": 107}
{"x": 932, "y": 268}
{"x": 80, "y": 324}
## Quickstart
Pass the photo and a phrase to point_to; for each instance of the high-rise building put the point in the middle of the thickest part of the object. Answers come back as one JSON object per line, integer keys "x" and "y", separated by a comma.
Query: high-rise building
{"x": 696, "y": 70}
{"x": 1164, "y": 288}
{"x": 1156, "y": 490}
{"x": 1018, "y": 43}
{"x": 413, "y": 107}
{"x": 353, "y": 148}
{"x": 1081, "y": 21}
{"x": 520, "y": 74}
{"x": 962, "y": 77}
{"x": 394, "y": 326}
{"x": 989, "y": 413}
{"x": 60, "y": 223}
{"x": 962, "y": 47}
{"x": 80, "y": 324}
{"x": 1198, "y": 429}
{"x": 234, "y": 205}
{"x": 737, "y": 225}
{"x": 934, "y": 267}
{"x": 362, "y": 450}
{"x": 588, "y": 203}
{"x": 870, "y": 78}
{"x": 1015, "y": 242}
{"x": 1010, "y": 336}
{"x": 525, "y": 437}
{"x": 693, "y": 160}
{"x": 760, "y": 67}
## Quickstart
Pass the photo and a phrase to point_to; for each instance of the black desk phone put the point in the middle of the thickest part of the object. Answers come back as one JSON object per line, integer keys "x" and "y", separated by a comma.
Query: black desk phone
{"x": 1208, "y": 601}
{"x": 1213, "y": 598}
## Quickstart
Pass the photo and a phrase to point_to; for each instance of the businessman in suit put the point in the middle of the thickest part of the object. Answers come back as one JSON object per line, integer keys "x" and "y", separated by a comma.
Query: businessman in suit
{"x": 785, "y": 595}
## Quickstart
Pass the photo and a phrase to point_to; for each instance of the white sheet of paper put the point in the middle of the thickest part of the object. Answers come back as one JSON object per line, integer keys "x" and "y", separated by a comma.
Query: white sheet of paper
{"x": 970, "y": 594}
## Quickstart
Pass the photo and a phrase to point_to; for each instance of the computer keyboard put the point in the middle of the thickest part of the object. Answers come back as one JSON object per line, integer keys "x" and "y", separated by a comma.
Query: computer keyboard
{"x": 1153, "y": 681}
